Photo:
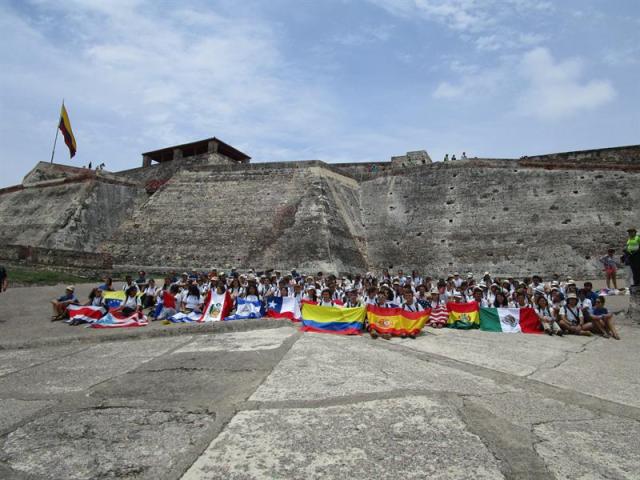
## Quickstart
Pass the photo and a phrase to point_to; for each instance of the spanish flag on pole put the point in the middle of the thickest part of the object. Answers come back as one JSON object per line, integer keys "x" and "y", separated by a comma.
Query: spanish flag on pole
{"x": 65, "y": 128}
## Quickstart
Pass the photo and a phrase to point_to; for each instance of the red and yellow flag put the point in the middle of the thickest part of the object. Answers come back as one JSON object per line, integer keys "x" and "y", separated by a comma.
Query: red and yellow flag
{"x": 396, "y": 321}
{"x": 65, "y": 128}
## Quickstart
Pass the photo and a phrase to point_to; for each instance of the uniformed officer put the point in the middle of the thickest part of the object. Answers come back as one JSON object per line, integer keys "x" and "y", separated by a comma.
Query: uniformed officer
{"x": 632, "y": 249}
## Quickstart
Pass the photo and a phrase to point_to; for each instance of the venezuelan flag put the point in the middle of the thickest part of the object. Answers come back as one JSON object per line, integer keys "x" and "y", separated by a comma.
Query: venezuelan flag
{"x": 67, "y": 133}
{"x": 114, "y": 299}
{"x": 463, "y": 316}
{"x": 343, "y": 321}
{"x": 396, "y": 321}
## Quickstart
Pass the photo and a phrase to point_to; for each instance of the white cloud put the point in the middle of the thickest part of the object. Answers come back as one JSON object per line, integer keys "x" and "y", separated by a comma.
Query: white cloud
{"x": 488, "y": 23}
{"x": 154, "y": 78}
{"x": 556, "y": 88}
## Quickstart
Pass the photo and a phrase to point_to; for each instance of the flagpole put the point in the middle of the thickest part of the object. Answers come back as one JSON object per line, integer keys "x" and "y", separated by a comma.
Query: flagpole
{"x": 56, "y": 139}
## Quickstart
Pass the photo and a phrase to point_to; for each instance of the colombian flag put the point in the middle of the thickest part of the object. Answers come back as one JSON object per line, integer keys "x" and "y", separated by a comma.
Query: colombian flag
{"x": 65, "y": 128}
{"x": 396, "y": 321}
{"x": 463, "y": 315}
{"x": 343, "y": 321}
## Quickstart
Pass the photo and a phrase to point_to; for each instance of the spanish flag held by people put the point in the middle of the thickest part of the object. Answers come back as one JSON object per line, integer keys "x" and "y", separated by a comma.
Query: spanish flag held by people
{"x": 65, "y": 128}
{"x": 396, "y": 321}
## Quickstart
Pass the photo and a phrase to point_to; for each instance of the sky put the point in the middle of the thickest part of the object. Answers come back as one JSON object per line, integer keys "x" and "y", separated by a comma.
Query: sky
{"x": 333, "y": 80}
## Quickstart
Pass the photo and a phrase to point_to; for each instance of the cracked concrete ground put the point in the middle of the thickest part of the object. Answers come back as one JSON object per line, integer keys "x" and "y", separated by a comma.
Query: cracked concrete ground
{"x": 272, "y": 402}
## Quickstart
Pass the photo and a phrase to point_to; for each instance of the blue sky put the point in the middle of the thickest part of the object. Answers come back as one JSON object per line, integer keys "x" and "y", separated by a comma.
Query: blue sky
{"x": 336, "y": 80}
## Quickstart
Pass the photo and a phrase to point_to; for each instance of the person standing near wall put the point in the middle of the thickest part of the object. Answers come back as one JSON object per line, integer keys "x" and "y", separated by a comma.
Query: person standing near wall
{"x": 632, "y": 249}
{"x": 3, "y": 279}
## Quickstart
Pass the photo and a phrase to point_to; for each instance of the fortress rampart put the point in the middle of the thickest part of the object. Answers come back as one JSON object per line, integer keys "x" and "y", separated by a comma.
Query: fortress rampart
{"x": 539, "y": 214}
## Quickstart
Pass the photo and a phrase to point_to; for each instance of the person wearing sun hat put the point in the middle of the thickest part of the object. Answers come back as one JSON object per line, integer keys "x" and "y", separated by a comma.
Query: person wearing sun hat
{"x": 632, "y": 250}
{"x": 571, "y": 317}
{"x": 61, "y": 303}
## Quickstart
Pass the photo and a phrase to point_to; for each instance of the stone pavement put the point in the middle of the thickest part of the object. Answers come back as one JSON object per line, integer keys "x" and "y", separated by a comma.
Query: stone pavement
{"x": 276, "y": 403}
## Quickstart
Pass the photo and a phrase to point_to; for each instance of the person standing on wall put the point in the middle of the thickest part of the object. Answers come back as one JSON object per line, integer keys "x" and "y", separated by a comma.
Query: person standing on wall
{"x": 3, "y": 279}
{"x": 632, "y": 249}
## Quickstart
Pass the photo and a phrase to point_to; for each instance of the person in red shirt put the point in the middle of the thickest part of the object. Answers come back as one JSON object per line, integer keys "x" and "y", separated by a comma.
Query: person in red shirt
{"x": 168, "y": 303}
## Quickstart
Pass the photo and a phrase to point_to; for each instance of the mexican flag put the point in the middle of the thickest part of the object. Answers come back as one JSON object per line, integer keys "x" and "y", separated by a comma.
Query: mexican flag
{"x": 509, "y": 320}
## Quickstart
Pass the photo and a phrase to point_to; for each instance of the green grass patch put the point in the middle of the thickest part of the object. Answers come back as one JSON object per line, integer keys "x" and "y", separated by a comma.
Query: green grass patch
{"x": 31, "y": 276}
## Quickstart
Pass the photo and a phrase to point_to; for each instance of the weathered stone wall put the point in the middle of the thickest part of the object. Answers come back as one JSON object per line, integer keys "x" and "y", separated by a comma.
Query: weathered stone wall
{"x": 497, "y": 216}
{"x": 75, "y": 215}
{"x": 51, "y": 257}
{"x": 544, "y": 214}
{"x": 598, "y": 157}
{"x": 296, "y": 215}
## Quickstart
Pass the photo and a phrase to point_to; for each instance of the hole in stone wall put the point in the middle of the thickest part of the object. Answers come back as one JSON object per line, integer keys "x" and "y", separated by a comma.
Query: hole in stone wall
{"x": 549, "y": 191}
{"x": 575, "y": 192}
{"x": 451, "y": 188}
{"x": 419, "y": 234}
{"x": 455, "y": 175}
{"x": 442, "y": 241}
{"x": 617, "y": 223}
{"x": 553, "y": 207}
{"x": 493, "y": 218}
{"x": 587, "y": 257}
{"x": 506, "y": 209}
{"x": 449, "y": 202}
{"x": 582, "y": 178}
{"x": 391, "y": 207}
{"x": 489, "y": 254}
{"x": 566, "y": 220}
{"x": 450, "y": 220}
{"x": 598, "y": 176}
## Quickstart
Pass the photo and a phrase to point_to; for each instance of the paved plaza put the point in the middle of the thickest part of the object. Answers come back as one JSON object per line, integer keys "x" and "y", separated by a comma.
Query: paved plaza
{"x": 260, "y": 399}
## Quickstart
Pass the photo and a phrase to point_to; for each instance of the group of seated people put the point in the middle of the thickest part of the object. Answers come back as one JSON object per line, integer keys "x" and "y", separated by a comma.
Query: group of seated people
{"x": 561, "y": 307}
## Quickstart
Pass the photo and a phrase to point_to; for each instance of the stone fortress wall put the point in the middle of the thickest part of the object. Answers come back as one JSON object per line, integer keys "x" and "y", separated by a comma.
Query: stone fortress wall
{"x": 542, "y": 214}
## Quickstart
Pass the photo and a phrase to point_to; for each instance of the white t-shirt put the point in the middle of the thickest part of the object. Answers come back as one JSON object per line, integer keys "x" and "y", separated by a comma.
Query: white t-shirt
{"x": 192, "y": 302}
{"x": 572, "y": 314}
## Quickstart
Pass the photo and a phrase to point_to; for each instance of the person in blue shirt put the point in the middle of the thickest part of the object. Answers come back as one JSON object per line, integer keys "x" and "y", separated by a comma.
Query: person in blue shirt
{"x": 601, "y": 313}
{"x": 61, "y": 303}
{"x": 589, "y": 293}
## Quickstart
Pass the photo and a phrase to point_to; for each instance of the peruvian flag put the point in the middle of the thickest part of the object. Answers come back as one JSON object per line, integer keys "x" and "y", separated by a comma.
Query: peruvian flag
{"x": 283, "y": 307}
{"x": 217, "y": 307}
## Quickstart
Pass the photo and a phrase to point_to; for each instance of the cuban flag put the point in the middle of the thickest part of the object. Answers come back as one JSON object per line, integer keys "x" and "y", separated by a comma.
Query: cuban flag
{"x": 283, "y": 307}
{"x": 84, "y": 314}
{"x": 246, "y": 309}
{"x": 119, "y": 320}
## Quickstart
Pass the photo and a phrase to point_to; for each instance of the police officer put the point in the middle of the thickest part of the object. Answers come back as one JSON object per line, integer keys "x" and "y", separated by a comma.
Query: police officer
{"x": 632, "y": 250}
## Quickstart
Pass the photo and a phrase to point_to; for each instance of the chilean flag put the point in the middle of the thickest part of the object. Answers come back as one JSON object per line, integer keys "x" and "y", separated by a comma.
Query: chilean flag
{"x": 283, "y": 307}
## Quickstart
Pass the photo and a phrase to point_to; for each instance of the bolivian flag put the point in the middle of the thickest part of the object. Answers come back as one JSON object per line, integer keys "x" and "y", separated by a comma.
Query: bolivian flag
{"x": 509, "y": 320}
{"x": 463, "y": 316}
{"x": 343, "y": 321}
{"x": 67, "y": 133}
{"x": 396, "y": 321}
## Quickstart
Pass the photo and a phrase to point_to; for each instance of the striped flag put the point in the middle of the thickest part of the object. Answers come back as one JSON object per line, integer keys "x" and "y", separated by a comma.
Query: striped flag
{"x": 509, "y": 320}
{"x": 284, "y": 307}
{"x": 67, "y": 133}
{"x": 84, "y": 314}
{"x": 463, "y": 316}
{"x": 246, "y": 309}
{"x": 396, "y": 321}
{"x": 119, "y": 320}
{"x": 217, "y": 307}
{"x": 343, "y": 321}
